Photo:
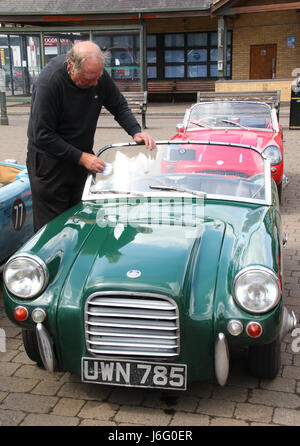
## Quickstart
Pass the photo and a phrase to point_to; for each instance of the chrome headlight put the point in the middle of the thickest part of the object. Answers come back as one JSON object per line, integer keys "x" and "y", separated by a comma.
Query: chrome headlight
{"x": 256, "y": 289}
{"x": 273, "y": 154}
{"x": 25, "y": 275}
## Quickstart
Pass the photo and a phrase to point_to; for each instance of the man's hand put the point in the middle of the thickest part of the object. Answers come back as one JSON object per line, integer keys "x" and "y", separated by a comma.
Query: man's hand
{"x": 149, "y": 142}
{"x": 91, "y": 162}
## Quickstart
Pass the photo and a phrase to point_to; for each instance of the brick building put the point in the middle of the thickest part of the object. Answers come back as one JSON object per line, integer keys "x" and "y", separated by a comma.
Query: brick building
{"x": 162, "y": 46}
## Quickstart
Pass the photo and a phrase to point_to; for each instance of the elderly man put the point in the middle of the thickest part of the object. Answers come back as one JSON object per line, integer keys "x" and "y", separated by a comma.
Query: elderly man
{"x": 66, "y": 102}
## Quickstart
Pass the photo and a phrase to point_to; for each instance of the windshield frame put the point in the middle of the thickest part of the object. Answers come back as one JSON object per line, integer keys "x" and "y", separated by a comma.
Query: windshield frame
{"x": 88, "y": 196}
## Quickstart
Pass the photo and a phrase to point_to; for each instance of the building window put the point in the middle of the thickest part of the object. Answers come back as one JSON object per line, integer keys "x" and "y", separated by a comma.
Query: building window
{"x": 151, "y": 57}
{"x": 185, "y": 55}
{"x": 123, "y": 55}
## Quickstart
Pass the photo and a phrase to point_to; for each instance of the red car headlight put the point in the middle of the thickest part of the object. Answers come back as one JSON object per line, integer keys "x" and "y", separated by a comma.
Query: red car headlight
{"x": 274, "y": 155}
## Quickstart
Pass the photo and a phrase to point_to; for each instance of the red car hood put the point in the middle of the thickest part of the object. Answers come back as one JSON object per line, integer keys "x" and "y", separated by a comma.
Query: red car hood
{"x": 257, "y": 139}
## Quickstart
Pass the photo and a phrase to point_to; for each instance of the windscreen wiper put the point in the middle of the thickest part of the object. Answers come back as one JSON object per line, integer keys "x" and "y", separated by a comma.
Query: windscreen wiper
{"x": 178, "y": 189}
{"x": 115, "y": 191}
{"x": 206, "y": 126}
{"x": 237, "y": 124}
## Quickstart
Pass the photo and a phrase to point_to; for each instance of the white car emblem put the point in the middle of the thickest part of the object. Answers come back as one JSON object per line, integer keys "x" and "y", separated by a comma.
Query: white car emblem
{"x": 134, "y": 273}
{"x": 220, "y": 162}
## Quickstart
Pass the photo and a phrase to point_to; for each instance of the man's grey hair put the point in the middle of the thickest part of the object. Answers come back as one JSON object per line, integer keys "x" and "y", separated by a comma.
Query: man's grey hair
{"x": 78, "y": 55}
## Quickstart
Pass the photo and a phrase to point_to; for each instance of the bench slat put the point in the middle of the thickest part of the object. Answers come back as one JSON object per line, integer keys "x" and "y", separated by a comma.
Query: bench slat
{"x": 194, "y": 86}
{"x": 160, "y": 86}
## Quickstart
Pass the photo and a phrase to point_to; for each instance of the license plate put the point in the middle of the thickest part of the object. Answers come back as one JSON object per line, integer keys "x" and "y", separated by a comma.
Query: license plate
{"x": 134, "y": 373}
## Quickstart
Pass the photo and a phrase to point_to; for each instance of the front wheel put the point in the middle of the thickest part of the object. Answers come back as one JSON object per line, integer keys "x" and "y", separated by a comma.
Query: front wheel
{"x": 31, "y": 346}
{"x": 264, "y": 360}
{"x": 279, "y": 189}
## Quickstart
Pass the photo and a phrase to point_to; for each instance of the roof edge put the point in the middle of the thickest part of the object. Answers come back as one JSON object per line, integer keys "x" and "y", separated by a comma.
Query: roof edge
{"x": 108, "y": 11}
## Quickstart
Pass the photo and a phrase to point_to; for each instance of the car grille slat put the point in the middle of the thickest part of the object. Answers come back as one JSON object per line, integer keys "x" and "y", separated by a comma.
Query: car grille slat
{"x": 141, "y": 334}
{"x": 117, "y": 324}
{"x": 137, "y": 314}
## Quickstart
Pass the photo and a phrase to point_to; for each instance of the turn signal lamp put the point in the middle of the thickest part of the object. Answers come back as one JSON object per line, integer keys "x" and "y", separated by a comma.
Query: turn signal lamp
{"x": 20, "y": 314}
{"x": 38, "y": 315}
{"x": 254, "y": 329}
{"x": 235, "y": 327}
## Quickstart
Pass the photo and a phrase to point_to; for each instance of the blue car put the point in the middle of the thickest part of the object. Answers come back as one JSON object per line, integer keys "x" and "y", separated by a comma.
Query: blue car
{"x": 15, "y": 208}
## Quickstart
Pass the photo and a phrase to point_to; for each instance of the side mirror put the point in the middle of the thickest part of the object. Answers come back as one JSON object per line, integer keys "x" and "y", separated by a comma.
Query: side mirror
{"x": 180, "y": 128}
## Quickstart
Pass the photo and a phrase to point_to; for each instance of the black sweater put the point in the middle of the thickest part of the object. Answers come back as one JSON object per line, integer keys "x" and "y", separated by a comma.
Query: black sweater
{"x": 63, "y": 117}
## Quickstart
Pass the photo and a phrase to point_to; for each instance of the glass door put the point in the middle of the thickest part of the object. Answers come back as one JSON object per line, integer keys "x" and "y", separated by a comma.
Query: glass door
{"x": 60, "y": 43}
{"x": 32, "y": 62}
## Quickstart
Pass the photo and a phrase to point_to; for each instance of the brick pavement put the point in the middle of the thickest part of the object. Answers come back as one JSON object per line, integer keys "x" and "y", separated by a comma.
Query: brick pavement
{"x": 30, "y": 396}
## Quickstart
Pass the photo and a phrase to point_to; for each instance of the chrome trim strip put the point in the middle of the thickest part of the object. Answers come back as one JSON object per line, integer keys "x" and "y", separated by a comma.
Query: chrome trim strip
{"x": 132, "y": 353}
{"x": 268, "y": 180}
{"x": 131, "y": 315}
{"x": 130, "y": 344}
{"x": 187, "y": 142}
{"x": 146, "y": 327}
{"x": 274, "y": 120}
{"x": 147, "y": 336}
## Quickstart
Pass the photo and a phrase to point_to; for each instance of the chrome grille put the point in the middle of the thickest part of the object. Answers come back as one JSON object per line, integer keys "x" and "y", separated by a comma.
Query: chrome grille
{"x": 126, "y": 325}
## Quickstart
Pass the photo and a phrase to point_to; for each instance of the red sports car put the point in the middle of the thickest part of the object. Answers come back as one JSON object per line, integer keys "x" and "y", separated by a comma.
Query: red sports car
{"x": 233, "y": 122}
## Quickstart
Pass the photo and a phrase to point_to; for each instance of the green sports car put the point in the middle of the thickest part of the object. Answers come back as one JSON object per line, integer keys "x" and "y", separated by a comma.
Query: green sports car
{"x": 172, "y": 260}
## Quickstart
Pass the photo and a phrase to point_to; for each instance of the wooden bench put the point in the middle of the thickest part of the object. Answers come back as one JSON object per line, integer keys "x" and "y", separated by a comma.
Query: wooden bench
{"x": 194, "y": 86}
{"x": 161, "y": 86}
{"x": 126, "y": 85}
{"x": 270, "y": 97}
{"x": 137, "y": 102}
{"x": 179, "y": 87}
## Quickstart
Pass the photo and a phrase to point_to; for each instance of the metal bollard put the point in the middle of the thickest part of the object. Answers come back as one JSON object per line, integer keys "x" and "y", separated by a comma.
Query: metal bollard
{"x": 3, "y": 110}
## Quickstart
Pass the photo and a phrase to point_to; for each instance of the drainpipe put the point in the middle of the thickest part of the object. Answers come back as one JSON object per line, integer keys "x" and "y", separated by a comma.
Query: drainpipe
{"x": 143, "y": 54}
{"x": 222, "y": 47}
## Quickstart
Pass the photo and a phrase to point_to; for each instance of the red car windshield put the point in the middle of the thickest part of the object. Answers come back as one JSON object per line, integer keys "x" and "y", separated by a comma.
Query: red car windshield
{"x": 230, "y": 114}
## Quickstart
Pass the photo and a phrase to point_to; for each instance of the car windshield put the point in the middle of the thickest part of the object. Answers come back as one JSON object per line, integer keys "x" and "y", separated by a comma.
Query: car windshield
{"x": 213, "y": 170}
{"x": 230, "y": 114}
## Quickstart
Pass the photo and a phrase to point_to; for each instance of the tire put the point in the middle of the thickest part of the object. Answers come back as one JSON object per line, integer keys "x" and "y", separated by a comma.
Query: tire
{"x": 279, "y": 189}
{"x": 264, "y": 360}
{"x": 31, "y": 346}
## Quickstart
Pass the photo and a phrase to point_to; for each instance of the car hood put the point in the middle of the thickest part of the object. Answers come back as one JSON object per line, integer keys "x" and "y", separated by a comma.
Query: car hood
{"x": 166, "y": 257}
{"x": 256, "y": 138}
{"x": 139, "y": 256}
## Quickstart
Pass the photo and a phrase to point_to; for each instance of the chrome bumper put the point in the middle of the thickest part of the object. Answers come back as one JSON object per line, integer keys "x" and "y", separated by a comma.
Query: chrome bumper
{"x": 45, "y": 345}
{"x": 221, "y": 359}
{"x": 289, "y": 323}
{"x": 285, "y": 181}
